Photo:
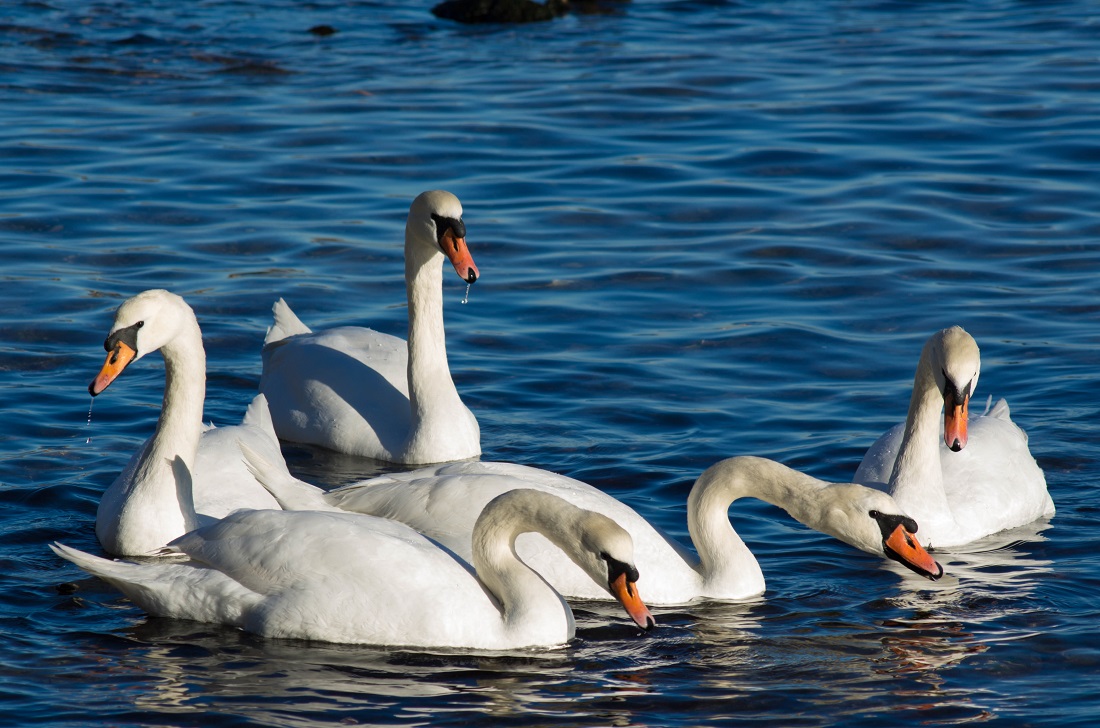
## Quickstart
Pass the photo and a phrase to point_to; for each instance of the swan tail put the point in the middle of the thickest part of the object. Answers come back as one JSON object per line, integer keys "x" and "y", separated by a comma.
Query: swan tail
{"x": 291, "y": 493}
{"x": 286, "y": 324}
{"x": 126, "y": 576}
{"x": 94, "y": 565}
{"x": 999, "y": 410}
{"x": 170, "y": 589}
{"x": 122, "y": 575}
{"x": 259, "y": 415}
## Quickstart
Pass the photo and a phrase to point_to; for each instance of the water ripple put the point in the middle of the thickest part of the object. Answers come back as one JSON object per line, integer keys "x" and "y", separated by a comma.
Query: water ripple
{"x": 704, "y": 228}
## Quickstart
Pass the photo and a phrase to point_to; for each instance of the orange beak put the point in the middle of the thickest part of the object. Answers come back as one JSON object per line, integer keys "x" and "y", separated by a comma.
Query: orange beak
{"x": 954, "y": 421}
{"x": 456, "y": 251}
{"x": 117, "y": 360}
{"x": 627, "y": 594}
{"x": 903, "y": 547}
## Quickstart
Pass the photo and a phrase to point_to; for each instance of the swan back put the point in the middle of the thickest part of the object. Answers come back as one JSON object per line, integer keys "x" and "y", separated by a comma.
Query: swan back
{"x": 334, "y": 577}
{"x": 223, "y": 481}
{"x": 444, "y": 501}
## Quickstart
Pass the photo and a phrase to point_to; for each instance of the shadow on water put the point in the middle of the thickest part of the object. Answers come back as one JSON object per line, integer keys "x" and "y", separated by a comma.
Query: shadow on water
{"x": 177, "y": 667}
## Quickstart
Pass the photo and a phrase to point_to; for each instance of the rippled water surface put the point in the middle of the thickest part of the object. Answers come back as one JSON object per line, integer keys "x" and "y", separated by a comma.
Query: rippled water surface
{"x": 704, "y": 229}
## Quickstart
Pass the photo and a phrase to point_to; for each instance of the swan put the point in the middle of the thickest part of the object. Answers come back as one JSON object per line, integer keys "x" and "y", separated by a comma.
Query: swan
{"x": 443, "y": 503}
{"x": 360, "y": 392}
{"x": 982, "y": 479}
{"x": 349, "y": 578}
{"x": 148, "y": 505}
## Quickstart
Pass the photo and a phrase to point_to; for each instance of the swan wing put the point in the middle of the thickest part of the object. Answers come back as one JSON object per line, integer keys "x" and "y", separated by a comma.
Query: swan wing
{"x": 222, "y": 482}
{"x": 334, "y": 577}
{"x": 991, "y": 484}
{"x": 994, "y": 482}
{"x": 444, "y": 501}
{"x": 345, "y": 389}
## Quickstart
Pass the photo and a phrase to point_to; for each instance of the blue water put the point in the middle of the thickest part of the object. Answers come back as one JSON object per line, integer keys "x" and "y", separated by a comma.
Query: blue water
{"x": 704, "y": 229}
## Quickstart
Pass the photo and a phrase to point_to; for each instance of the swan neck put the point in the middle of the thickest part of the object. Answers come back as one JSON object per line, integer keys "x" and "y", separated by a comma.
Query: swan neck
{"x": 179, "y": 426}
{"x": 431, "y": 388}
{"x": 917, "y": 479}
{"x": 530, "y": 608}
{"x": 154, "y": 504}
{"x": 724, "y": 559}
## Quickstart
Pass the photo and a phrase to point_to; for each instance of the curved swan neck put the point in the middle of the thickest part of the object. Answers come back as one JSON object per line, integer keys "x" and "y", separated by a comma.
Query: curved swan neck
{"x": 917, "y": 478}
{"x": 175, "y": 444}
{"x": 812, "y": 502}
{"x": 526, "y": 601}
{"x": 723, "y": 556}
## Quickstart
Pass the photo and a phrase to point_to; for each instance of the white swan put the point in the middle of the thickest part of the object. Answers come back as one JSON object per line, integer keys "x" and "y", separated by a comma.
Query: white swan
{"x": 342, "y": 577}
{"x": 360, "y": 392}
{"x": 148, "y": 505}
{"x": 443, "y": 502}
{"x": 989, "y": 483}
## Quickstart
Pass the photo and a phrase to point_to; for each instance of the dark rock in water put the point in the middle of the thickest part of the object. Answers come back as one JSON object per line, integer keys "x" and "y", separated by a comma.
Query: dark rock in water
{"x": 595, "y": 7}
{"x": 520, "y": 11}
{"x": 322, "y": 30}
{"x": 499, "y": 11}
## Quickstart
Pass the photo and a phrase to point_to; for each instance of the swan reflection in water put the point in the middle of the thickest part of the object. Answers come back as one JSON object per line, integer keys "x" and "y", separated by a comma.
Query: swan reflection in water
{"x": 987, "y": 582}
{"x": 182, "y": 665}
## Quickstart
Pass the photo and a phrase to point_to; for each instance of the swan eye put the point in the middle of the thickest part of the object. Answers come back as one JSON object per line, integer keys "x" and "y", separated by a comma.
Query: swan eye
{"x": 950, "y": 389}
{"x": 126, "y": 336}
{"x": 616, "y": 567}
{"x": 443, "y": 224}
{"x": 888, "y": 523}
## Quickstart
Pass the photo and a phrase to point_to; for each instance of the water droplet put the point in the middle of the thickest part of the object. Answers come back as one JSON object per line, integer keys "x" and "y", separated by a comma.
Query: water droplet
{"x": 467, "y": 296}
{"x": 88, "y": 424}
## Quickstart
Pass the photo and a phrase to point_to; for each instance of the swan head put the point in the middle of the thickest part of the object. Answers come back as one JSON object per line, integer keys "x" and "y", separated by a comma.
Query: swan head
{"x": 607, "y": 556}
{"x": 435, "y": 220}
{"x": 900, "y": 543}
{"x": 594, "y": 542}
{"x": 956, "y": 362}
{"x": 872, "y": 521}
{"x": 143, "y": 324}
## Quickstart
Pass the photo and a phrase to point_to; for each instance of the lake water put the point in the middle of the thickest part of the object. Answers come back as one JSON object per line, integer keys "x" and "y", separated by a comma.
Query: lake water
{"x": 704, "y": 229}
